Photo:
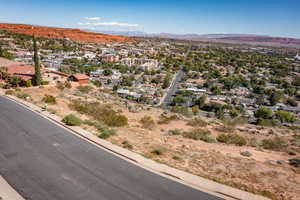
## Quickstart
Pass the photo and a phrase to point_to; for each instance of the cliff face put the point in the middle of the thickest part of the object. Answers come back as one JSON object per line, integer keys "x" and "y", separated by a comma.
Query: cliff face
{"x": 63, "y": 33}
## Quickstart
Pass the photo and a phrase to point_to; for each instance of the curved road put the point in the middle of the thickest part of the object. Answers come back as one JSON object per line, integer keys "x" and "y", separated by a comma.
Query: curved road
{"x": 43, "y": 161}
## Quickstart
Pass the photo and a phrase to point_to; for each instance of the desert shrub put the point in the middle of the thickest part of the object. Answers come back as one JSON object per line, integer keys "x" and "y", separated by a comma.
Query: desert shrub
{"x": 266, "y": 122}
{"x": 52, "y": 111}
{"x": 294, "y": 128}
{"x": 7, "y": 86}
{"x": 23, "y": 96}
{"x": 264, "y": 113}
{"x": 296, "y": 140}
{"x": 60, "y": 86}
{"x": 28, "y": 83}
{"x": 232, "y": 139}
{"x": 49, "y": 99}
{"x": 147, "y": 122}
{"x": 174, "y": 132}
{"x": 107, "y": 133}
{"x": 89, "y": 122}
{"x": 181, "y": 110}
{"x": 176, "y": 157}
{"x": 71, "y": 120}
{"x": 295, "y": 162}
{"x": 44, "y": 82}
{"x": 84, "y": 88}
{"x": 199, "y": 134}
{"x": 67, "y": 85}
{"x": 100, "y": 112}
{"x": 253, "y": 142}
{"x": 246, "y": 153}
{"x": 9, "y": 92}
{"x": 276, "y": 143}
{"x": 167, "y": 119}
{"x": 158, "y": 151}
{"x": 127, "y": 145}
{"x": 223, "y": 138}
{"x": 198, "y": 122}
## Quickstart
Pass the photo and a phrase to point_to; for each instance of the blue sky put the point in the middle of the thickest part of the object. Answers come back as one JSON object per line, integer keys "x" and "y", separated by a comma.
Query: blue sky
{"x": 266, "y": 17}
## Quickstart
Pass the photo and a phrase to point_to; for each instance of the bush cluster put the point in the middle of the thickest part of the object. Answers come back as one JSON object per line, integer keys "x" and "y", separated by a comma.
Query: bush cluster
{"x": 166, "y": 120}
{"x": 23, "y": 95}
{"x": 71, "y": 120}
{"x": 84, "y": 88}
{"x": 276, "y": 143}
{"x": 232, "y": 139}
{"x": 49, "y": 99}
{"x": 105, "y": 132}
{"x": 158, "y": 151}
{"x": 200, "y": 134}
{"x": 147, "y": 122}
{"x": 174, "y": 132}
{"x": 9, "y": 92}
{"x": 198, "y": 122}
{"x": 100, "y": 112}
{"x": 62, "y": 86}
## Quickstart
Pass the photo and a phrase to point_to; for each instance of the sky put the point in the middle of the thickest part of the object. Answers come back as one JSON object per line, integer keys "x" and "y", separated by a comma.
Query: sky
{"x": 262, "y": 17}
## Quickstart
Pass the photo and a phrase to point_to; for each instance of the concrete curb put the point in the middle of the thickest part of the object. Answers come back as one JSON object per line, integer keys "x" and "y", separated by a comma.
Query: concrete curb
{"x": 7, "y": 192}
{"x": 188, "y": 179}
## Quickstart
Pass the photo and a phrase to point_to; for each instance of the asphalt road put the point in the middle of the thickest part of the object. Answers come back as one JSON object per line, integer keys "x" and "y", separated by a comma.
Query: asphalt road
{"x": 174, "y": 85}
{"x": 172, "y": 90}
{"x": 43, "y": 161}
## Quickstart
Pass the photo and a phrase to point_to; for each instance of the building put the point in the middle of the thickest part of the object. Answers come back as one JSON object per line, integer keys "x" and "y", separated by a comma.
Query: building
{"x": 146, "y": 64}
{"x": 23, "y": 72}
{"x": 80, "y": 78}
{"x": 27, "y": 72}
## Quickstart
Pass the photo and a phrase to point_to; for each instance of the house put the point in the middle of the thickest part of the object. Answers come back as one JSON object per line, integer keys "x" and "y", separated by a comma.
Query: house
{"x": 27, "y": 72}
{"x": 24, "y": 72}
{"x": 80, "y": 78}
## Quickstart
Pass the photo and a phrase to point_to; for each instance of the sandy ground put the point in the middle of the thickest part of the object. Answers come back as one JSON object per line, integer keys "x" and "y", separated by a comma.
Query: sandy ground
{"x": 259, "y": 173}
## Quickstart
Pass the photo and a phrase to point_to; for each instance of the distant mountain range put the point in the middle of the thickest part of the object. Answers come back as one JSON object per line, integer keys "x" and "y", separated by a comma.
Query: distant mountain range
{"x": 226, "y": 38}
{"x": 170, "y": 35}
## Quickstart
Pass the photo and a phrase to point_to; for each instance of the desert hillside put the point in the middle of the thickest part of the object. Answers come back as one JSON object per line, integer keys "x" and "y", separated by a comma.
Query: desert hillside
{"x": 63, "y": 33}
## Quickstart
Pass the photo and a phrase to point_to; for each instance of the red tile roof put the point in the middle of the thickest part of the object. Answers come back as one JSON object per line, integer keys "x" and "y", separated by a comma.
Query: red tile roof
{"x": 20, "y": 70}
{"x": 81, "y": 77}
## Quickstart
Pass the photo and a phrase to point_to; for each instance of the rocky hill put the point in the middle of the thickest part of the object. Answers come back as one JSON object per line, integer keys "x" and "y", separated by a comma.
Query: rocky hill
{"x": 63, "y": 33}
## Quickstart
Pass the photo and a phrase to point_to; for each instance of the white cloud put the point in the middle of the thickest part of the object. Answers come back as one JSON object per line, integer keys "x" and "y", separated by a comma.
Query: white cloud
{"x": 93, "y": 18}
{"x": 115, "y": 24}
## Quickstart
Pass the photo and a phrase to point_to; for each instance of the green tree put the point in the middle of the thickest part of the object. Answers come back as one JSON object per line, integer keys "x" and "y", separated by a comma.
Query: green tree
{"x": 167, "y": 81}
{"x": 264, "y": 113}
{"x": 275, "y": 97}
{"x": 285, "y": 116}
{"x": 37, "y": 75}
{"x": 215, "y": 90}
{"x": 201, "y": 101}
{"x": 15, "y": 81}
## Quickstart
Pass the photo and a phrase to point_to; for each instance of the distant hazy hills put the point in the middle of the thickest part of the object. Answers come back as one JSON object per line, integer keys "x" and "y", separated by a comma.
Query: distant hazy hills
{"x": 227, "y": 38}
{"x": 171, "y": 36}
